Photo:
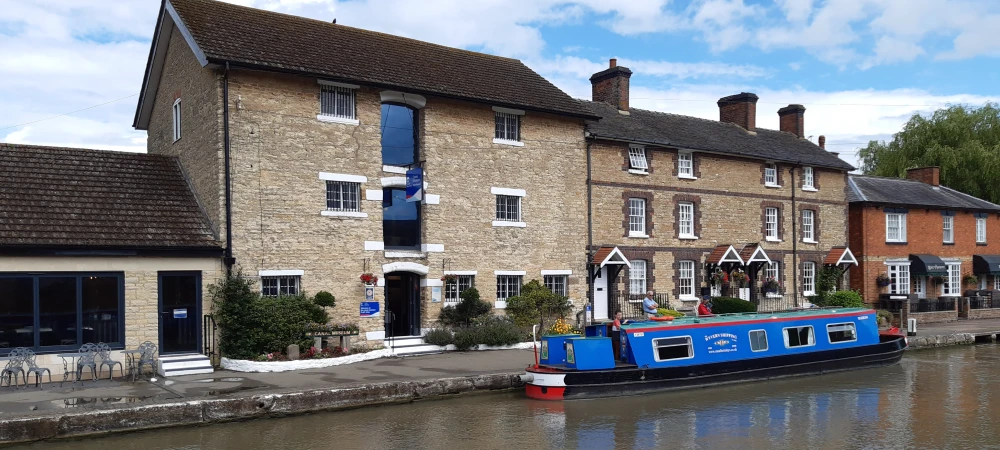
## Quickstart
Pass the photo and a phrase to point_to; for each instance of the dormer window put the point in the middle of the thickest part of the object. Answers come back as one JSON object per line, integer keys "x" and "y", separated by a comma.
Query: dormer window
{"x": 507, "y": 129}
{"x": 337, "y": 103}
{"x": 637, "y": 159}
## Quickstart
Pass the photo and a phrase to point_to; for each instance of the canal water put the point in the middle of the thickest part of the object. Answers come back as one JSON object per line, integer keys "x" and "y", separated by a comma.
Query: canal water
{"x": 947, "y": 398}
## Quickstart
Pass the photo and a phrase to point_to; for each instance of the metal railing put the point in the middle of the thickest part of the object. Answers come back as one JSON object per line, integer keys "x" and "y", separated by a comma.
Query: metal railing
{"x": 933, "y": 304}
{"x": 776, "y": 302}
{"x": 979, "y": 302}
{"x": 210, "y": 346}
{"x": 631, "y": 305}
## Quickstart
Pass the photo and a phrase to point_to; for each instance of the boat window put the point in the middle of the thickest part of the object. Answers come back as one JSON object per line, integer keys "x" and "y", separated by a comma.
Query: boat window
{"x": 673, "y": 348}
{"x": 799, "y": 337}
{"x": 758, "y": 341}
{"x": 841, "y": 332}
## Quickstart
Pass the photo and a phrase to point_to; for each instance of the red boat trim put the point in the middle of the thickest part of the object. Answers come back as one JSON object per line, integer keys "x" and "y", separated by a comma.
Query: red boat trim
{"x": 544, "y": 393}
{"x": 745, "y": 322}
{"x": 544, "y": 369}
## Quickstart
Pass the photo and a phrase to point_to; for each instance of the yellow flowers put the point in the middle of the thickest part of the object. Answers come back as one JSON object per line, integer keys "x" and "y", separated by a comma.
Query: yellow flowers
{"x": 561, "y": 327}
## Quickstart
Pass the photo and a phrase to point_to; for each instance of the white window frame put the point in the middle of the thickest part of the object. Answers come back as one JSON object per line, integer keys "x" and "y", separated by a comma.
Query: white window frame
{"x": 558, "y": 284}
{"x": 948, "y": 229}
{"x": 685, "y": 165}
{"x": 808, "y": 278}
{"x": 508, "y": 210}
{"x": 895, "y": 233}
{"x": 845, "y": 326}
{"x": 453, "y": 289}
{"x": 685, "y": 220}
{"x": 507, "y": 286}
{"x": 771, "y": 224}
{"x": 920, "y": 286}
{"x": 689, "y": 345}
{"x": 343, "y": 193}
{"x": 637, "y": 278}
{"x": 338, "y": 103}
{"x": 771, "y": 175}
{"x": 812, "y": 336}
{"x": 176, "y": 112}
{"x": 291, "y": 284}
{"x": 899, "y": 277}
{"x": 952, "y": 287}
{"x": 808, "y": 179}
{"x": 637, "y": 159}
{"x": 809, "y": 226}
{"x": 750, "y": 338}
{"x": 996, "y": 282}
{"x": 637, "y": 217}
{"x": 773, "y": 269}
{"x": 507, "y": 126}
{"x": 685, "y": 280}
{"x": 980, "y": 230}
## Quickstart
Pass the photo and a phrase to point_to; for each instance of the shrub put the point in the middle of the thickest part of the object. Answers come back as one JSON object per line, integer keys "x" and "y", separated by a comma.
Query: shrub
{"x": 439, "y": 336}
{"x": 466, "y": 311}
{"x": 669, "y": 312}
{"x": 726, "y": 305}
{"x": 325, "y": 299}
{"x": 845, "y": 299}
{"x": 884, "y": 317}
{"x": 494, "y": 331}
{"x": 536, "y": 304}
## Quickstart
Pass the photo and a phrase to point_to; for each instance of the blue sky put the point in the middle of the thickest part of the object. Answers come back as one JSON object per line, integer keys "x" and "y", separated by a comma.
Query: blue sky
{"x": 861, "y": 67}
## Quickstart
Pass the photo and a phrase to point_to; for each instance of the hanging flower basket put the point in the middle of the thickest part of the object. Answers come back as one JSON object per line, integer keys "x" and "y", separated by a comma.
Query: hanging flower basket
{"x": 716, "y": 277}
{"x": 882, "y": 280}
{"x": 739, "y": 278}
{"x": 970, "y": 280}
{"x": 448, "y": 278}
{"x": 770, "y": 285}
{"x": 369, "y": 279}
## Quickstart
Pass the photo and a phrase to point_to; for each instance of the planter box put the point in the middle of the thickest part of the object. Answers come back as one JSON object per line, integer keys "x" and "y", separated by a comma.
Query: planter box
{"x": 321, "y": 334}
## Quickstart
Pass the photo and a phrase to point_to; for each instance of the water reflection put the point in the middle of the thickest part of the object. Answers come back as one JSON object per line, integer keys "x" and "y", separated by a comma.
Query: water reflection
{"x": 933, "y": 399}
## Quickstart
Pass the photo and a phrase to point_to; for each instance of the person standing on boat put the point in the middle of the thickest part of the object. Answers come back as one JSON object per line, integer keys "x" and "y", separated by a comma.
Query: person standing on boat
{"x": 703, "y": 309}
{"x": 649, "y": 306}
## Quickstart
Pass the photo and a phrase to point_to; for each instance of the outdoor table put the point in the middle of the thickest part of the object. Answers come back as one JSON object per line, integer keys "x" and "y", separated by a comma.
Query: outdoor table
{"x": 72, "y": 361}
{"x": 131, "y": 359}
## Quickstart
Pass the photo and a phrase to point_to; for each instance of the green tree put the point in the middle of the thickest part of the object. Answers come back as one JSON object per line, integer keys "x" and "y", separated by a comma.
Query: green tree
{"x": 468, "y": 310}
{"x": 964, "y": 141}
{"x": 536, "y": 304}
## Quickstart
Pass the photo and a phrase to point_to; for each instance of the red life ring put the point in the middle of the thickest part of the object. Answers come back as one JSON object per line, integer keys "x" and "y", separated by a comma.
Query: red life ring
{"x": 662, "y": 318}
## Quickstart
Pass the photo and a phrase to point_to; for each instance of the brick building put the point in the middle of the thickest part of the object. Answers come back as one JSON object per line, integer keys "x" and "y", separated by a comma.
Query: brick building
{"x": 927, "y": 239}
{"x": 320, "y": 139}
{"x": 682, "y": 198}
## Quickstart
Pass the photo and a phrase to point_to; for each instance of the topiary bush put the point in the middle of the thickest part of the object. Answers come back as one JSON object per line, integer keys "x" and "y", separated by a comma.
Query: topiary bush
{"x": 439, "y": 336}
{"x": 844, "y": 299}
{"x": 727, "y": 305}
{"x": 465, "y": 312}
{"x": 325, "y": 299}
{"x": 536, "y": 305}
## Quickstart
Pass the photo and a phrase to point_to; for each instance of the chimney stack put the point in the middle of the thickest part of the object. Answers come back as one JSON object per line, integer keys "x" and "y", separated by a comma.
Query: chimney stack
{"x": 740, "y": 109}
{"x": 611, "y": 85}
{"x": 822, "y": 142}
{"x": 926, "y": 175}
{"x": 792, "y": 120}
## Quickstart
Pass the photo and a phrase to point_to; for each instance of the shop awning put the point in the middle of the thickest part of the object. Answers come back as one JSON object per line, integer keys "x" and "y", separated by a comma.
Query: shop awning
{"x": 986, "y": 264}
{"x": 927, "y": 265}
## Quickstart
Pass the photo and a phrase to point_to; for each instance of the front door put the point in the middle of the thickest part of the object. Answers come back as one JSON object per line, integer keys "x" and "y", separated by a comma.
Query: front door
{"x": 402, "y": 301}
{"x": 180, "y": 308}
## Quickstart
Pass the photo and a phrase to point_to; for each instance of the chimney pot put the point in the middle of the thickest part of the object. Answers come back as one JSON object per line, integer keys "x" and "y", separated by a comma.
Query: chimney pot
{"x": 792, "y": 119}
{"x": 740, "y": 109}
{"x": 822, "y": 142}
{"x": 926, "y": 175}
{"x": 611, "y": 85}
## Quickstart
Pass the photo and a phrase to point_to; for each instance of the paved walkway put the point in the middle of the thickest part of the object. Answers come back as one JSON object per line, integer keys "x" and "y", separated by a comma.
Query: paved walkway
{"x": 991, "y": 326}
{"x": 414, "y": 368}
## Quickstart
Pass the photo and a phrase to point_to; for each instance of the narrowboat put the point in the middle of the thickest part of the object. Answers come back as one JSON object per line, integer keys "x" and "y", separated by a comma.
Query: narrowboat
{"x": 691, "y": 352}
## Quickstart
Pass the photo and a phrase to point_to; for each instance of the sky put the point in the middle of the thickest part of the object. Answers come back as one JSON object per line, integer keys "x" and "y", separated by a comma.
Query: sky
{"x": 71, "y": 70}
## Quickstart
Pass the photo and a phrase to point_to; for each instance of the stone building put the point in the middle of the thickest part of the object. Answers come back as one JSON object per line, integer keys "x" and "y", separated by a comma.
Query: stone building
{"x": 684, "y": 199}
{"x": 297, "y": 135}
{"x": 927, "y": 241}
{"x": 102, "y": 247}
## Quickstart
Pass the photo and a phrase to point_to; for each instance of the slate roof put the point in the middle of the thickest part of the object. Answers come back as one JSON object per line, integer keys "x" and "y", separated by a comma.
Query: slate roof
{"x": 673, "y": 130}
{"x": 254, "y": 37}
{"x": 905, "y": 192}
{"x": 54, "y": 197}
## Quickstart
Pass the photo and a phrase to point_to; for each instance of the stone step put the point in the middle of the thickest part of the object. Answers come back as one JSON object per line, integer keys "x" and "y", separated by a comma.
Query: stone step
{"x": 185, "y": 364}
{"x": 422, "y": 349}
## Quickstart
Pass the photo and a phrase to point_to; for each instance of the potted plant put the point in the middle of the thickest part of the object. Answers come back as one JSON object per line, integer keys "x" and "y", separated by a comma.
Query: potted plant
{"x": 447, "y": 278}
{"x": 969, "y": 280}
{"x": 739, "y": 278}
{"x": 937, "y": 279}
{"x": 882, "y": 280}
{"x": 770, "y": 285}
{"x": 369, "y": 279}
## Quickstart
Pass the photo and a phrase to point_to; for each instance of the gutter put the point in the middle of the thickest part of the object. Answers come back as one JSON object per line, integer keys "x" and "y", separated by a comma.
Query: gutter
{"x": 228, "y": 260}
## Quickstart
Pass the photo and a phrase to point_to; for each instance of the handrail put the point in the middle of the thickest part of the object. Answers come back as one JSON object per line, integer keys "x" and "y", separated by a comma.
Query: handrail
{"x": 534, "y": 342}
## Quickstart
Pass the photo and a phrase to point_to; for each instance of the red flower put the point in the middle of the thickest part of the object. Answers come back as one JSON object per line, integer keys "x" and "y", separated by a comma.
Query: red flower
{"x": 368, "y": 278}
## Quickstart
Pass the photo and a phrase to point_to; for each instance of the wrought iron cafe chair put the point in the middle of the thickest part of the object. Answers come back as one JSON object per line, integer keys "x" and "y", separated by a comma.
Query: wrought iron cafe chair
{"x": 88, "y": 358}
{"x": 29, "y": 360}
{"x": 147, "y": 357}
{"x": 15, "y": 367}
{"x": 104, "y": 351}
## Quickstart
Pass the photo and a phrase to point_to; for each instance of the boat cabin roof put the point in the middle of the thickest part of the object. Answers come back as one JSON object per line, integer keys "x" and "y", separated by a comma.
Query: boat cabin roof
{"x": 722, "y": 319}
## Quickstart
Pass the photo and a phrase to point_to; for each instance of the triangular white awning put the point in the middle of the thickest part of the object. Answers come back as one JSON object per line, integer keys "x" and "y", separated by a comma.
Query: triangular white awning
{"x": 841, "y": 255}
{"x": 758, "y": 255}
{"x": 610, "y": 255}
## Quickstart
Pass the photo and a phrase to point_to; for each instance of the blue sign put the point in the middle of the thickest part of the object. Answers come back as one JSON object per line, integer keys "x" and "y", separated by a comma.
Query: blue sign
{"x": 181, "y": 313}
{"x": 414, "y": 185}
{"x": 369, "y": 309}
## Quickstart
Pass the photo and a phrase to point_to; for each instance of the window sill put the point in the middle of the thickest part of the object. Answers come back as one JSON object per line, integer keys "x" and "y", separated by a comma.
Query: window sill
{"x": 638, "y": 172}
{"x": 500, "y": 304}
{"x": 404, "y": 254}
{"x": 810, "y": 189}
{"x": 981, "y": 244}
{"x": 347, "y": 214}
{"x": 687, "y": 177}
{"x": 948, "y": 243}
{"x": 771, "y": 239}
{"x": 895, "y": 242}
{"x": 638, "y": 236}
{"x": 809, "y": 241}
{"x": 504, "y": 223}
{"x": 688, "y": 237}
{"x": 808, "y": 293}
{"x": 687, "y": 298}
{"x": 772, "y": 186}
{"x": 507, "y": 142}
{"x": 333, "y": 119}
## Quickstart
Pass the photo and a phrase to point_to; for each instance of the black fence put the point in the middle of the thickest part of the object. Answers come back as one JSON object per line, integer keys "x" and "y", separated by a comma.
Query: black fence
{"x": 209, "y": 343}
{"x": 988, "y": 302}
{"x": 631, "y": 305}
{"x": 933, "y": 305}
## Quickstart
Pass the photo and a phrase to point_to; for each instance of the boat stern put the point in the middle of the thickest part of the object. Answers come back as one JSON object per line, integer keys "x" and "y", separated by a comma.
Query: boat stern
{"x": 544, "y": 384}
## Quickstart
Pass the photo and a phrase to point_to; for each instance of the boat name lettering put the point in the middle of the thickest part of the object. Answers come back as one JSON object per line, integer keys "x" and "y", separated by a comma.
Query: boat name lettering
{"x": 638, "y": 334}
{"x": 720, "y": 335}
{"x": 721, "y": 342}
{"x": 863, "y": 318}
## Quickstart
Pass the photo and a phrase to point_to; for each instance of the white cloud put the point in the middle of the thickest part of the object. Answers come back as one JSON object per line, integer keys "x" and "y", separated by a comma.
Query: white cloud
{"x": 583, "y": 68}
{"x": 796, "y": 10}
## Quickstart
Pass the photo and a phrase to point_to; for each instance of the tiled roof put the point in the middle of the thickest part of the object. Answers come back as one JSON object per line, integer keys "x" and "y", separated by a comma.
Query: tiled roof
{"x": 905, "y": 192}
{"x": 60, "y": 197}
{"x": 838, "y": 253}
{"x": 237, "y": 34}
{"x": 673, "y": 130}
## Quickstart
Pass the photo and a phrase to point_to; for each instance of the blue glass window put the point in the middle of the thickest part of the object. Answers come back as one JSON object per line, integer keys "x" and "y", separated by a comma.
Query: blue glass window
{"x": 400, "y": 220}
{"x": 399, "y": 135}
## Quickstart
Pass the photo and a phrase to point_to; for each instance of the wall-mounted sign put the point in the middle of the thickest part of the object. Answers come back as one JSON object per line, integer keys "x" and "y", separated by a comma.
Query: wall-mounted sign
{"x": 369, "y": 309}
{"x": 181, "y": 313}
{"x": 436, "y": 294}
{"x": 369, "y": 293}
{"x": 937, "y": 268}
{"x": 414, "y": 185}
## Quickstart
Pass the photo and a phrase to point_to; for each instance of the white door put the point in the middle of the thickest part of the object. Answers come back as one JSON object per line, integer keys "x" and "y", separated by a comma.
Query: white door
{"x": 601, "y": 294}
